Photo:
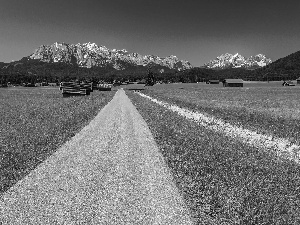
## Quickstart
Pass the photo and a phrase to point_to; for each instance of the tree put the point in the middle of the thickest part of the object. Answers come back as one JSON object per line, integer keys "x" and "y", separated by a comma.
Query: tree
{"x": 150, "y": 81}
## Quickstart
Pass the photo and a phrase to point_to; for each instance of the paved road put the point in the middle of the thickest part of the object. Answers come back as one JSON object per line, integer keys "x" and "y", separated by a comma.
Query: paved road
{"x": 109, "y": 173}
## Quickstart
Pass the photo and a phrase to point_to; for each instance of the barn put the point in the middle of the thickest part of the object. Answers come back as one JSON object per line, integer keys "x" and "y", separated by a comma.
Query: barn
{"x": 233, "y": 83}
{"x": 213, "y": 82}
{"x": 135, "y": 87}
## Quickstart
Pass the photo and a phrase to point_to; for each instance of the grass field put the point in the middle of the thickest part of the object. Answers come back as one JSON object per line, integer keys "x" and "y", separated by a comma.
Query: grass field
{"x": 223, "y": 180}
{"x": 266, "y": 107}
{"x": 35, "y": 122}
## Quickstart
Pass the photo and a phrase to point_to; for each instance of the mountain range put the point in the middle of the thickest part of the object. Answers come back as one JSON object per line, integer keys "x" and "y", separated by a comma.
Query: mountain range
{"x": 238, "y": 61}
{"x": 90, "y": 54}
{"x": 46, "y": 64}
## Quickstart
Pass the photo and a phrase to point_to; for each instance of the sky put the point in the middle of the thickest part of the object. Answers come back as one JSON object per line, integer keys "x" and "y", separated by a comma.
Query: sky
{"x": 193, "y": 30}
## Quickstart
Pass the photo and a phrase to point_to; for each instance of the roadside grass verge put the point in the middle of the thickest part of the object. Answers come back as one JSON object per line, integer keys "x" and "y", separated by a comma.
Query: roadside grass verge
{"x": 222, "y": 180}
{"x": 268, "y": 110}
{"x": 35, "y": 123}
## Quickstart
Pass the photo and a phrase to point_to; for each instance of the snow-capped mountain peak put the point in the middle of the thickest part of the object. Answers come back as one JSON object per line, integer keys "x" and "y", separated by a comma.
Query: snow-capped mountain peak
{"x": 228, "y": 60}
{"x": 90, "y": 54}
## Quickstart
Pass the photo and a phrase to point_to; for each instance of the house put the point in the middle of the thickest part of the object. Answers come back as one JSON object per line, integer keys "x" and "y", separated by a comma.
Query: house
{"x": 142, "y": 81}
{"x": 233, "y": 83}
{"x": 28, "y": 84}
{"x": 213, "y": 82}
{"x": 117, "y": 83}
{"x": 298, "y": 80}
{"x": 41, "y": 84}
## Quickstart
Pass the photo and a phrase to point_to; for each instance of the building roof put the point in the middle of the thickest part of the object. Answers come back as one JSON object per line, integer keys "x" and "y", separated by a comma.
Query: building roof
{"x": 234, "y": 80}
{"x": 214, "y": 81}
{"x": 135, "y": 87}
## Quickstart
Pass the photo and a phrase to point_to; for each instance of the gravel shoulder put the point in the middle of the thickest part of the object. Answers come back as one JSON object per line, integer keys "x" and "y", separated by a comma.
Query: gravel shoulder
{"x": 111, "y": 172}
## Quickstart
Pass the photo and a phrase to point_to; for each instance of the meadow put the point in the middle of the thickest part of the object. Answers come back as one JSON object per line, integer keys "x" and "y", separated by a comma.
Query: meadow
{"x": 266, "y": 107}
{"x": 222, "y": 179}
{"x": 35, "y": 122}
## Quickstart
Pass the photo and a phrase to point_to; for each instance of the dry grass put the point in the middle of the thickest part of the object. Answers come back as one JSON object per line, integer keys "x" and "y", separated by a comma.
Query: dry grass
{"x": 223, "y": 180}
{"x": 35, "y": 122}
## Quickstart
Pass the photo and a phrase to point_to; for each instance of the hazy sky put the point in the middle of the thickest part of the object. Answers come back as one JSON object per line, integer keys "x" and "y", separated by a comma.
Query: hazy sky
{"x": 194, "y": 30}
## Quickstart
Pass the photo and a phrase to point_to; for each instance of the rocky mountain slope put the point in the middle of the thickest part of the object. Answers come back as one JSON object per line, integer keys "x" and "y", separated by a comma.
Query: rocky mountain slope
{"x": 238, "y": 61}
{"x": 90, "y": 54}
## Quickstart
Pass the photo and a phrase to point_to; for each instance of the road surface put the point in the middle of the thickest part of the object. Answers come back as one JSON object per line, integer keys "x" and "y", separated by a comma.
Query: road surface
{"x": 111, "y": 172}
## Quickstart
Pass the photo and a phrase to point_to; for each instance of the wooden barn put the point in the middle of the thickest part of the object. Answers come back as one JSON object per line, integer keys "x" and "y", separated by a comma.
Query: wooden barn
{"x": 41, "y": 84}
{"x": 213, "y": 82}
{"x": 74, "y": 88}
{"x": 135, "y": 87}
{"x": 233, "y": 83}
